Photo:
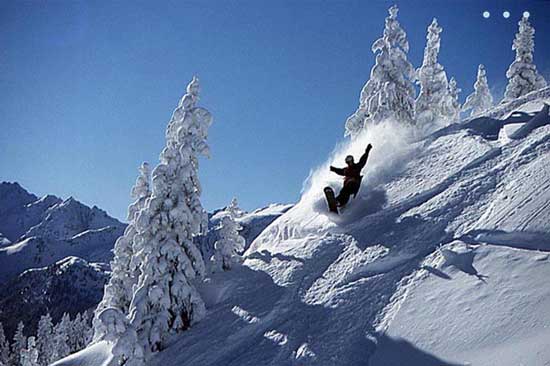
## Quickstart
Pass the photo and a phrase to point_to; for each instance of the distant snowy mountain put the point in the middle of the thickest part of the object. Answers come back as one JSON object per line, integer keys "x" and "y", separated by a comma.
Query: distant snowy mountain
{"x": 442, "y": 259}
{"x": 21, "y": 210}
{"x": 38, "y": 241}
{"x": 70, "y": 285}
{"x": 46, "y": 230}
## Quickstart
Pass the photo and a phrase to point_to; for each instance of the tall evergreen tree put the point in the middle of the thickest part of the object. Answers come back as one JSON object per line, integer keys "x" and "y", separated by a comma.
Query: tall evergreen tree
{"x": 44, "y": 336}
{"x": 4, "y": 347}
{"x": 230, "y": 244}
{"x": 522, "y": 74}
{"x": 389, "y": 93}
{"x": 165, "y": 300}
{"x": 19, "y": 344}
{"x": 234, "y": 209}
{"x": 481, "y": 99}
{"x": 60, "y": 341}
{"x": 430, "y": 104}
{"x": 452, "y": 107}
{"x": 29, "y": 355}
{"x": 124, "y": 269}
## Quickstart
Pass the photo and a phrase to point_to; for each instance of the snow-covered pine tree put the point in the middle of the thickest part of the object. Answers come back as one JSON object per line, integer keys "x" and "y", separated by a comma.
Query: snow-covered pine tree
{"x": 118, "y": 291}
{"x": 389, "y": 93}
{"x": 165, "y": 300}
{"x": 77, "y": 334}
{"x": 452, "y": 106}
{"x": 230, "y": 244}
{"x": 431, "y": 76}
{"x": 19, "y": 344}
{"x": 4, "y": 347}
{"x": 234, "y": 209}
{"x": 44, "y": 336}
{"x": 522, "y": 74}
{"x": 86, "y": 328}
{"x": 481, "y": 99}
{"x": 60, "y": 340}
{"x": 29, "y": 355}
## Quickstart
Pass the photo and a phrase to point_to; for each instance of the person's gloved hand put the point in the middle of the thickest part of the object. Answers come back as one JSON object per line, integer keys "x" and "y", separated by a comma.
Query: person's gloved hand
{"x": 369, "y": 146}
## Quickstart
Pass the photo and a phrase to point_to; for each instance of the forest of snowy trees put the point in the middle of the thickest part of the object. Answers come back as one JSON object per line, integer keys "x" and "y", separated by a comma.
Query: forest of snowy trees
{"x": 49, "y": 344}
{"x": 152, "y": 291}
{"x": 390, "y": 92}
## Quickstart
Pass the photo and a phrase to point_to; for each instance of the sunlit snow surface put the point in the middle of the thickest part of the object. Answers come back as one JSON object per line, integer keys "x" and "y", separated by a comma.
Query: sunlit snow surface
{"x": 441, "y": 260}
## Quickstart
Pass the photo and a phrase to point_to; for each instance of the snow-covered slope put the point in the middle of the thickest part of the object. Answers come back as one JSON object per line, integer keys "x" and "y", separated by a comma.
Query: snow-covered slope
{"x": 477, "y": 305}
{"x": 71, "y": 285}
{"x": 370, "y": 286}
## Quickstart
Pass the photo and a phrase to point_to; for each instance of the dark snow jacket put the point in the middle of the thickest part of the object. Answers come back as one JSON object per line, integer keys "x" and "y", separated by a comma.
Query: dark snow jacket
{"x": 352, "y": 174}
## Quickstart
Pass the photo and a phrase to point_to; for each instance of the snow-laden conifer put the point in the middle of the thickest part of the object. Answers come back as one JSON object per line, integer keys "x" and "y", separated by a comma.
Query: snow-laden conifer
{"x": 522, "y": 74}
{"x": 389, "y": 93}
{"x": 115, "y": 327}
{"x": 430, "y": 109}
{"x": 4, "y": 347}
{"x": 79, "y": 332}
{"x": 29, "y": 355}
{"x": 60, "y": 340}
{"x": 481, "y": 99}
{"x": 451, "y": 106}
{"x": 230, "y": 245}
{"x": 234, "y": 209}
{"x": 44, "y": 336}
{"x": 165, "y": 299}
{"x": 124, "y": 267}
{"x": 19, "y": 344}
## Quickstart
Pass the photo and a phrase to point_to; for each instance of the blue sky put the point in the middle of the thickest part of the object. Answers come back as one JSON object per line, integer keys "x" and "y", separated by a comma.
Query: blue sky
{"x": 87, "y": 87}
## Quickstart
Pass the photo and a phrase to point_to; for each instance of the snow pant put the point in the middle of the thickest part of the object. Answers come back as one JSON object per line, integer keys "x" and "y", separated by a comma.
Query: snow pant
{"x": 350, "y": 188}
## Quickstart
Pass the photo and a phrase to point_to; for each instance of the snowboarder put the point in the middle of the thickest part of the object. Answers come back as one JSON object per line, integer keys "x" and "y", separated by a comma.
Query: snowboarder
{"x": 352, "y": 180}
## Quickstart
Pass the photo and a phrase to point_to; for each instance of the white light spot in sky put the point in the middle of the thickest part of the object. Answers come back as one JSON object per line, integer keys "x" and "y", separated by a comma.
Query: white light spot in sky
{"x": 526, "y": 14}
{"x": 506, "y": 14}
{"x": 486, "y": 14}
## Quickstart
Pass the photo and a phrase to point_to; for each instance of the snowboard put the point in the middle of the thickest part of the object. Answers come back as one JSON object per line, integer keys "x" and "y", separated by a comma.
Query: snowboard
{"x": 331, "y": 200}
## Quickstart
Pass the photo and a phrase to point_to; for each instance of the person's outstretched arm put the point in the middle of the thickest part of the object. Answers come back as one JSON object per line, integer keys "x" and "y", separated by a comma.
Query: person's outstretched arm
{"x": 338, "y": 171}
{"x": 365, "y": 156}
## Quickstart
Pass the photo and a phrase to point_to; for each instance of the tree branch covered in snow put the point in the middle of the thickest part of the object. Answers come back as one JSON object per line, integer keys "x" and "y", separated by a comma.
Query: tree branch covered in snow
{"x": 390, "y": 92}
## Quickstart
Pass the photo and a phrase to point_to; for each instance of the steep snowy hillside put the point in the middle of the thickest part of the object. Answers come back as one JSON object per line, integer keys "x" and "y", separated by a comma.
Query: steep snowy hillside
{"x": 476, "y": 305}
{"x": 440, "y": 260}
{"x": 71, "y": 285}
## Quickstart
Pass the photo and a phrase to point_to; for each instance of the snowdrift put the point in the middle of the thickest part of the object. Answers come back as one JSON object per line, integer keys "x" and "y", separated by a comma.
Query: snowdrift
{"x": 441, "y": 260}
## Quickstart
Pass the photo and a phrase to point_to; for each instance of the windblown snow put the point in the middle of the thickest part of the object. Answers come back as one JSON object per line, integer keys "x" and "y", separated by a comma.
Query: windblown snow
{"x": 442, "y": 259}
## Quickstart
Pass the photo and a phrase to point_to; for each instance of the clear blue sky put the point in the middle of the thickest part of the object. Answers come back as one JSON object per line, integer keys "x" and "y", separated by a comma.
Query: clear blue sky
{"x": 87, "y": 87}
